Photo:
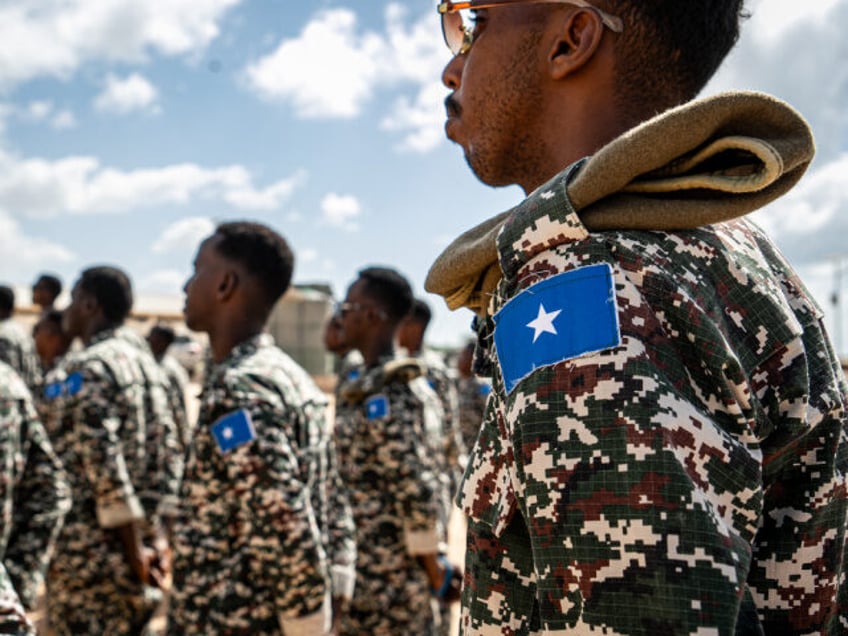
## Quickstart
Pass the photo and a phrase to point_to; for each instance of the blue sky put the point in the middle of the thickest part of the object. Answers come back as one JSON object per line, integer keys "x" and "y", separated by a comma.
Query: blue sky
{"x": 127, "y": 129}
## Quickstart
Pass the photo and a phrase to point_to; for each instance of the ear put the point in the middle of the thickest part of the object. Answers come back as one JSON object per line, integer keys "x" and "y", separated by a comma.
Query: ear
{"x": 576, "y": 41}
{"x": 228, "y": 285}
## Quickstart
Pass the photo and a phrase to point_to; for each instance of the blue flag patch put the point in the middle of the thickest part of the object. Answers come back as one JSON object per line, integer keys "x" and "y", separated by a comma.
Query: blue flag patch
{"x": 73, "y": 383}
{"x": 377, "y": 407}
{"x": 565, "y": 316}
{"x": 233, "y": 430}
{"x": 54, "y": 390}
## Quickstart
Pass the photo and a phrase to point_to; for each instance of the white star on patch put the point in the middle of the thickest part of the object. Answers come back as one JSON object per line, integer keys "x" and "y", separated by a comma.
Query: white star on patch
{"x": 544, "y": 322}
{"x": 227, "y": 433}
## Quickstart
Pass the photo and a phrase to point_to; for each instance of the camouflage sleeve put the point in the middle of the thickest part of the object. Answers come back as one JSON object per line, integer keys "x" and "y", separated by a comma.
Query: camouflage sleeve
{"x": 342, "y": 531}
{"x": 96, "y": 421}
{"x": 13, "y": 618}
{"x": 798, "y": 558}
{"x": 42, "y": 499}
{"x": 9, "y": 353}
{"x": 266, "y": 478}
{"x": 640, "y": 508}
{"x": 164, "y": 454}
{"x": 411, "y": 473}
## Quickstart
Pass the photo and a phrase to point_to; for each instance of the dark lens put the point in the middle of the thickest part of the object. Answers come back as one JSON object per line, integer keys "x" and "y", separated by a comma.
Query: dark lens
{"x": 453, "y": 31}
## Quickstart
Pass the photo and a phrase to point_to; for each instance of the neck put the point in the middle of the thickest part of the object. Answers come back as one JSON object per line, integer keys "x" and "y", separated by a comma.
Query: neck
{"x": 381, "y": 346}
{"x": 223, "y": 340}
{"x": 98, "y": 326}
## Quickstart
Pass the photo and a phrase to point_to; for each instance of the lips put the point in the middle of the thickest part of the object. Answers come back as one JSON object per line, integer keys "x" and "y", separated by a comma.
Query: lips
{"x": 452, "y": 107}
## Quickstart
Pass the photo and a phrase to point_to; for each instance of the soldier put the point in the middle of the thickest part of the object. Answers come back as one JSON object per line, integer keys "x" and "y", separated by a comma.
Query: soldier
{"x": 664, "y": 449}
{"x": 51, "y": 342}
{"x": 252, "y": 539}
{"x": 103, "y": 579}
{"x": 40, "y": 492}
{"x": 411, "y": 337}
{"x": 45, "y": 291}
{"x": 15, "y": 409}
{"x": 16, "y": 347}
{"x": 159, "y": 338}
{"x": 387, "y": 464}
{"x": 473, "y": 392}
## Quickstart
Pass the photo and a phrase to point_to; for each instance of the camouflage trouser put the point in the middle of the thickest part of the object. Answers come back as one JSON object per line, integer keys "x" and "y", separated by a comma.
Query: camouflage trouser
{"x": 499, "y": 590}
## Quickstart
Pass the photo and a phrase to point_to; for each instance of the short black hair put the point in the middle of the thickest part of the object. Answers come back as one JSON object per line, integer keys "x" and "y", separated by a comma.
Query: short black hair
{"x": 166, "y": 332}
{"x": 52, "y": 283}
{"x": 668, "y": 50}
{"x": 263, "y": 252}
{"x": 7, "y": 298}
{"x": 111, "y": 289}
{"x": 389, "y": 289}
{"x": 421, "y": 313}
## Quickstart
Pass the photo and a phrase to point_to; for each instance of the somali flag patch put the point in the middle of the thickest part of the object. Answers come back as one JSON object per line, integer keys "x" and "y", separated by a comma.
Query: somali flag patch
{"x": 562, "y": 317}
{"x": 377, "y": 407}
{"x": 73, "y": 383}
{"x": 233, "y": 430}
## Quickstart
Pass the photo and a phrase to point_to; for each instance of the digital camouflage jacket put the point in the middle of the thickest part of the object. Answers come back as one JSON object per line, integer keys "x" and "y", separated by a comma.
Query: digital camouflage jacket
{"x": 250, "y": 549}
{"x": 664, "y": 449}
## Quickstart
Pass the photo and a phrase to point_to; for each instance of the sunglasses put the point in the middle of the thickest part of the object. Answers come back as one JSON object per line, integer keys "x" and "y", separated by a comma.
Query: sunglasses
{"x": 459, "y": 36}
{"x": 342, "y": 309}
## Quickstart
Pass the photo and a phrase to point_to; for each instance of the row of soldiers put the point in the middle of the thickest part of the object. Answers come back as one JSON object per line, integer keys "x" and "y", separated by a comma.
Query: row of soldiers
{"x": 268, "y": 516}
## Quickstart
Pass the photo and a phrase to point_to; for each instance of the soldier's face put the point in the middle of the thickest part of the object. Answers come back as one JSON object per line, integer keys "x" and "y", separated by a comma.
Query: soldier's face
{"x": 200, "y": 290}
{"x": 493, "y": 110}
{"x": 75, "y": 316}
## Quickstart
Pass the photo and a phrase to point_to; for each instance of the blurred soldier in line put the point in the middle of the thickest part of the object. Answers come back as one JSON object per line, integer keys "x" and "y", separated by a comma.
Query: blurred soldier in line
{"x": 45, "y": 291}
{"x": 160, "y": 338}
{"x": 387, "y": 464}
{"x": 103, "y": 579}
{"x": 15, "y": 410}
{"x": 51, "y": 342}
{"x": 41, "y": 497}
{"x": 348, "y": 360}
{"x": 473, "y": 392}
{"x": 411, "y": 337}
{"x": 16, "y": 346}
{"x": 447, "y": 446}
{"x": 251, "y": 543}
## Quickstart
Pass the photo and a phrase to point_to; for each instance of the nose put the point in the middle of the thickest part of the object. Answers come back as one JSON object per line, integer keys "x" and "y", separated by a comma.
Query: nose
{"x": 452, "y": 75}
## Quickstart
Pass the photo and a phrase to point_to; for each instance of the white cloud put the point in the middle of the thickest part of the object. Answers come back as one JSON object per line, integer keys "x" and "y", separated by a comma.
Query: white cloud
{"x": 122, "y": 96}
{"x": 41, "y": 188}
{"x": 52, "y": 38}
{"x": 270, "y": 198}
{"x": 163, "y": 281}
{"x": 800, "y": 57}
{"x": 39, "y": 110}
{"x": 308, "y": 255}
{"x": 810, "y": 223}
{"x": 63, "y": 120}
{"x": 341, "y": 211}
{"x": 333, "y": 68}
{"x": 184, "y": 234}
{"x": 20, "y": 254}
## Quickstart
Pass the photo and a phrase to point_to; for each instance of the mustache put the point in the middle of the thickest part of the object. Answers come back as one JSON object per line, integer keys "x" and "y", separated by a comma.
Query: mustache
{"x": 452, "y": 106}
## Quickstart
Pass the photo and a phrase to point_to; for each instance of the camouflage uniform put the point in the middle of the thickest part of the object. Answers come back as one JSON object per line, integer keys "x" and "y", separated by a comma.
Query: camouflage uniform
{"x": 472, "y": 393}
{"x": 249, "y": 553}
{"x": 178, "y": 385}
{"x": 42, "y": 499}
{"x": 15, "y": 411}
{"x": 163, "y": 447}
{"x": 97, "y": 423}
{"x": 683, "y": 472}
{"x": 18, "y": 351}
{"x": 386, "y": 463}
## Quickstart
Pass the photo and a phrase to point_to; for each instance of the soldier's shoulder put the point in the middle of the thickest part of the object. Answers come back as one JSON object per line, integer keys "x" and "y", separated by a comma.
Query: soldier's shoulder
{"x": 12, "y": 387}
